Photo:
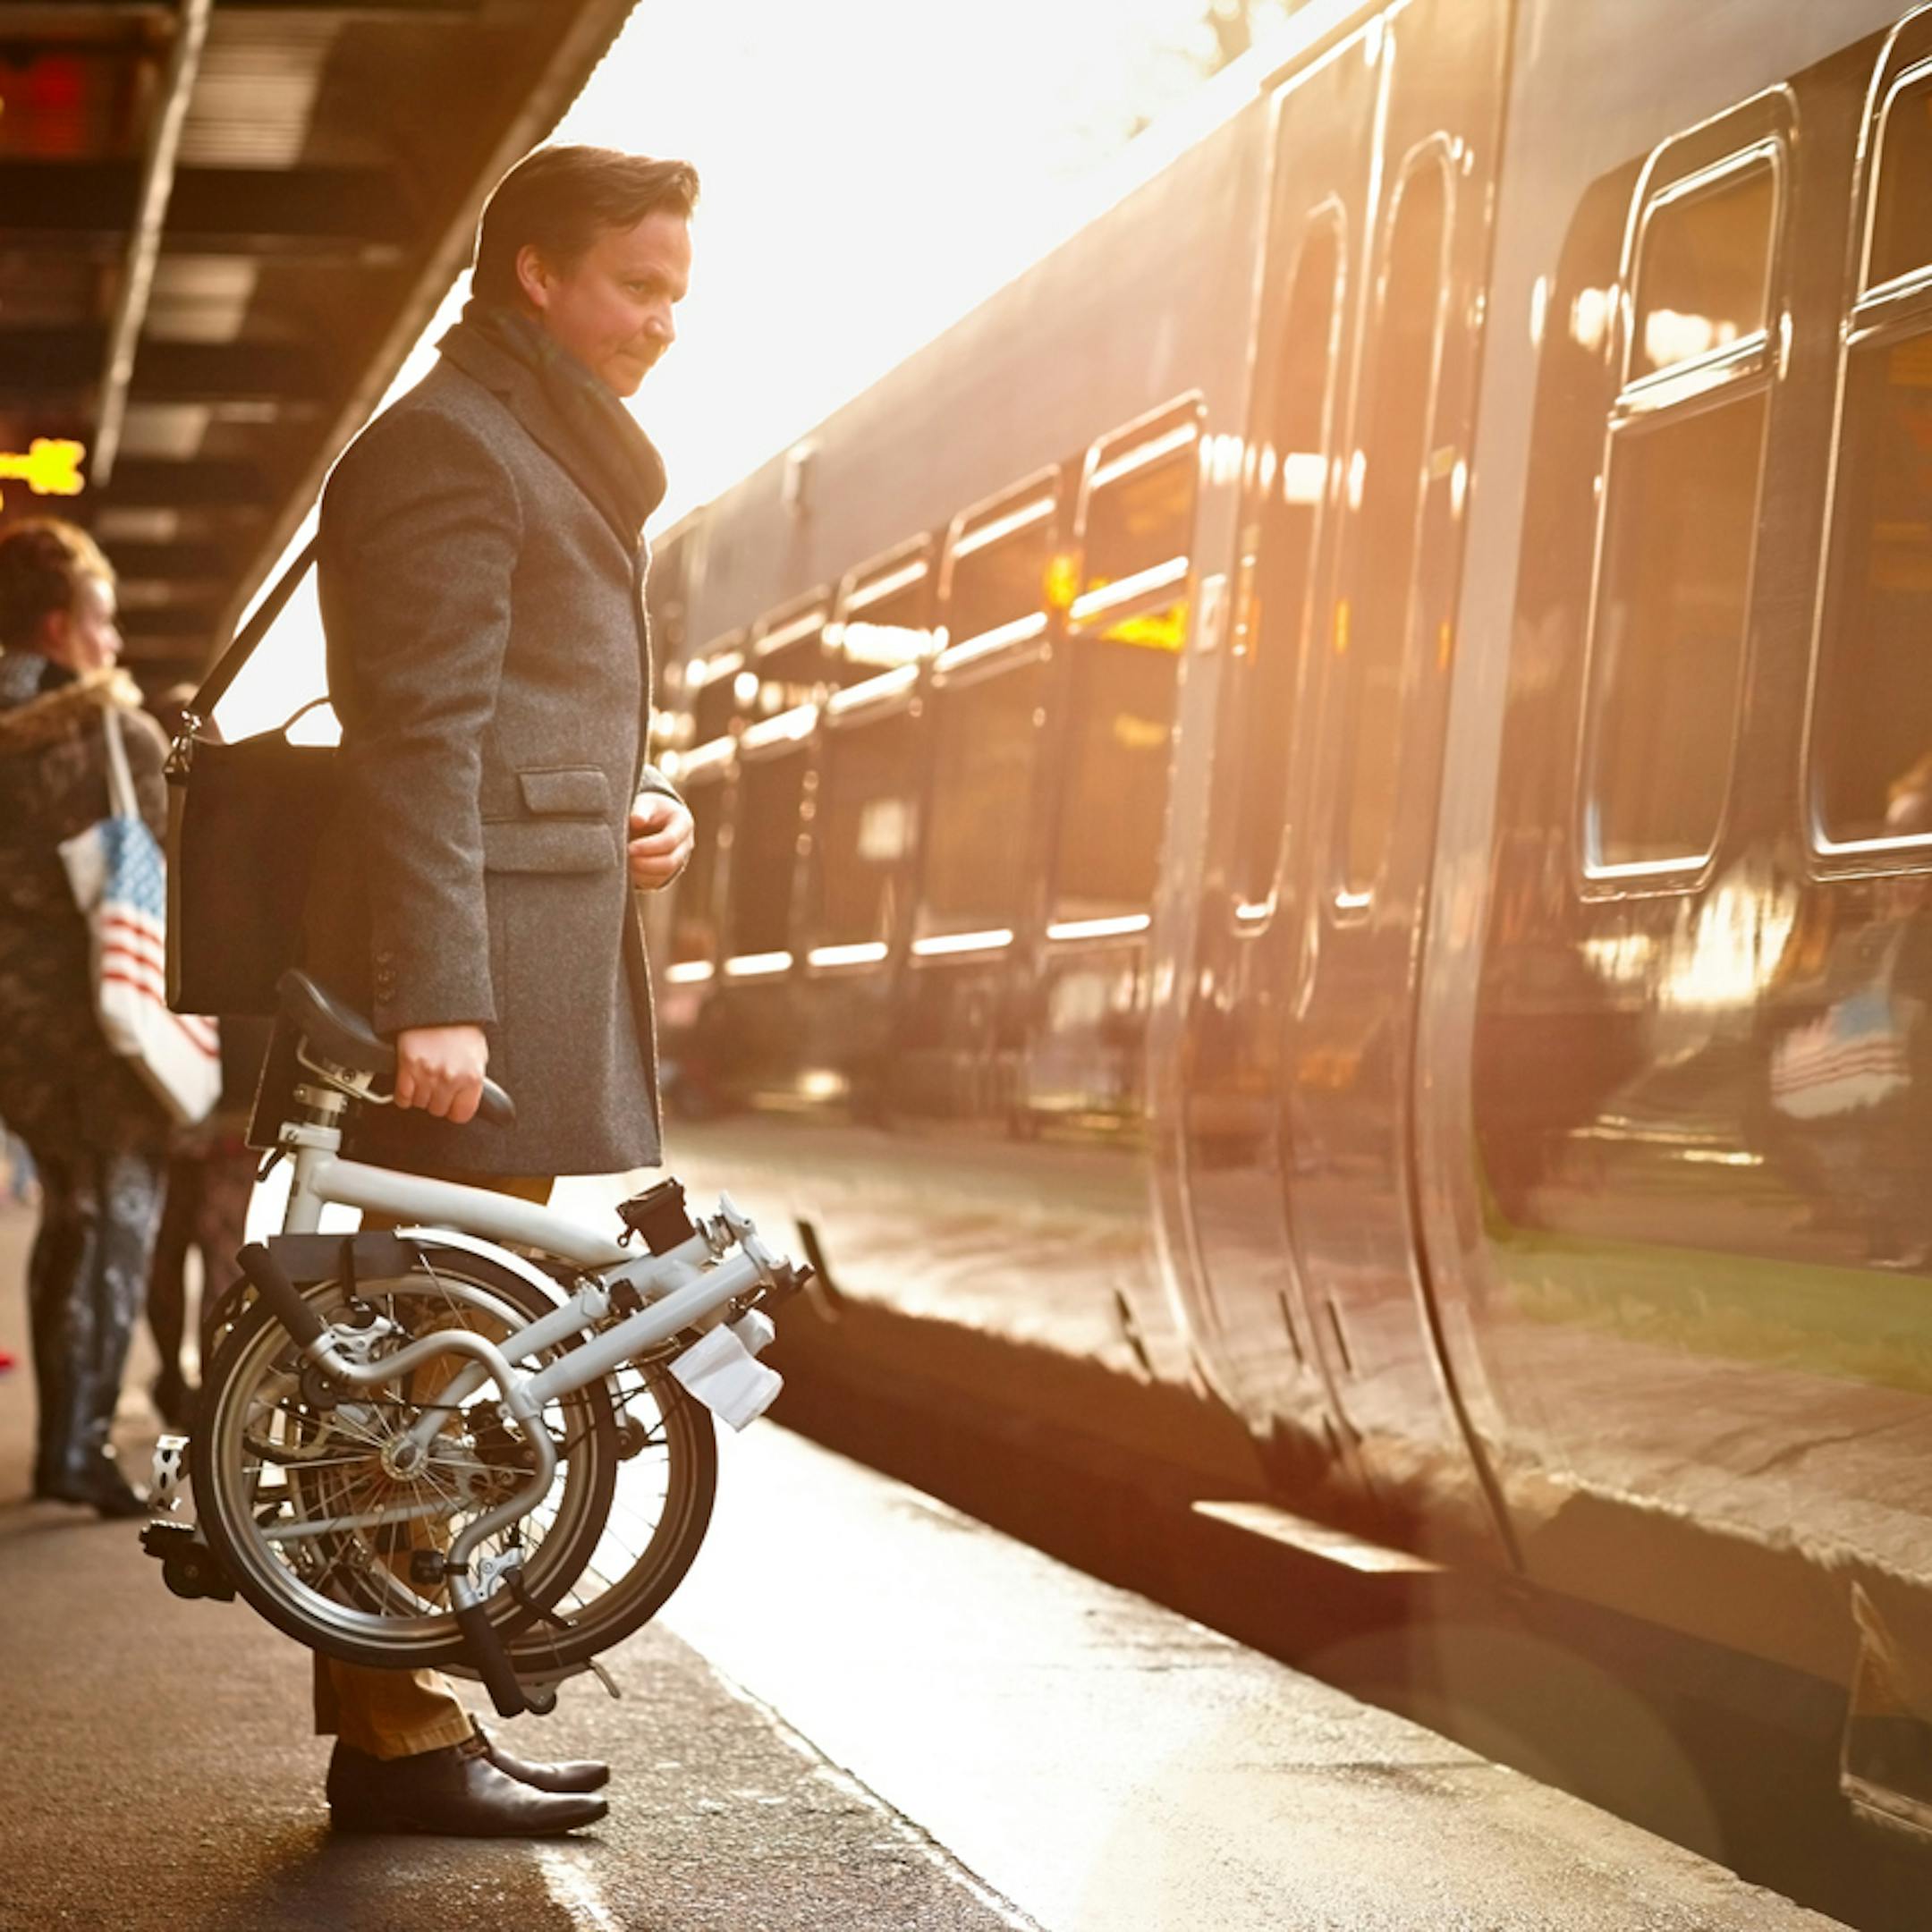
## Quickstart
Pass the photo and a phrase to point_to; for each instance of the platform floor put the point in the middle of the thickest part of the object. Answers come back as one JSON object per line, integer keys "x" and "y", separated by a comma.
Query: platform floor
{"x": 863, "y": 1711}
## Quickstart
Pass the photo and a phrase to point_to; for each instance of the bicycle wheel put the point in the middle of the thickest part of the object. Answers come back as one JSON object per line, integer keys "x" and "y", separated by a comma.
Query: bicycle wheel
{"x": 318, "y": 1533}
{"x": 667, "y": 1447}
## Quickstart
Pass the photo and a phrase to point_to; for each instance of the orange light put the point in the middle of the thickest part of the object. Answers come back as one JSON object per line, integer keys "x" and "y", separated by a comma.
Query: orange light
{"x": 50, "y": 468}
{"x": 1063, "y": 581}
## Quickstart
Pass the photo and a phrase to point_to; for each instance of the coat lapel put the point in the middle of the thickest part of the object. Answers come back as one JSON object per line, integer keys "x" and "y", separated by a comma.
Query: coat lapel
{"x": 516, "y": 386}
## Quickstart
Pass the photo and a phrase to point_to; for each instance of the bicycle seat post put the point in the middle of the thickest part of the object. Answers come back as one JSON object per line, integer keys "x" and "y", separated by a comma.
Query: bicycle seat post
{"x": 314, "y": 1127}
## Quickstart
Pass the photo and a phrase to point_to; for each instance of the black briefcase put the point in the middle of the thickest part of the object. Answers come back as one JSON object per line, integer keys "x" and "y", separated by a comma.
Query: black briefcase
{"x": 243, "y": 820}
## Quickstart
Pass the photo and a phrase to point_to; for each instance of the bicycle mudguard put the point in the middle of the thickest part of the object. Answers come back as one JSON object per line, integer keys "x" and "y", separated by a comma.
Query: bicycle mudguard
{"x": 306, "y": 1328}
{"x": 308, "y": 1258}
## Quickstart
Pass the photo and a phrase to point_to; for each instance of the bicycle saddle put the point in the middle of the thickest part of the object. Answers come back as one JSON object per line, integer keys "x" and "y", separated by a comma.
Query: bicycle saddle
{"x": 337, "y": 1032}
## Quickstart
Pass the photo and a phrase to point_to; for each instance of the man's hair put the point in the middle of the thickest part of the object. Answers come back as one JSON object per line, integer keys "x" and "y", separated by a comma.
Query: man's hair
{"x": 558, "y": 200}
{"x": 42, "y": 564}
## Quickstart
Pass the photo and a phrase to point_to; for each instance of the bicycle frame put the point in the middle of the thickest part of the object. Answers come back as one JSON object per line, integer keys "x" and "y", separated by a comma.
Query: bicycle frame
{"x": 677, "y": 1292}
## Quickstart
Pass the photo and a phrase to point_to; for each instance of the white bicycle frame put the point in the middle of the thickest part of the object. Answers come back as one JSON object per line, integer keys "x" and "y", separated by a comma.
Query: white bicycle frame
{"x": 677, "y": 1291}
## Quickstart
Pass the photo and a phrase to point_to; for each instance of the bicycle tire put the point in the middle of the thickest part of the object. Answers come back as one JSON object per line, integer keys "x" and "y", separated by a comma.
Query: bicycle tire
{"x": 631, "y": 1601}
{"x": 433, "y": 1642}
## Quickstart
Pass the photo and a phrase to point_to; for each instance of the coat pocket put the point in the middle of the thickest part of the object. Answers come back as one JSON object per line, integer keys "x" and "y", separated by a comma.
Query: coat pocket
{"x": 565, "y": 792}
{"x": 548, "y": 845}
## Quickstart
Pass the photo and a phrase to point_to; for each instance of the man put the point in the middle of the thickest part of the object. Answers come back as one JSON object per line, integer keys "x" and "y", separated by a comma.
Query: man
{"x": 480, "y": 572}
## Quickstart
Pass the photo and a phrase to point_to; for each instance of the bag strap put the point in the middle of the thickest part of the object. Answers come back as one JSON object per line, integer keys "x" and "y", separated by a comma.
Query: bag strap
{"x": 228, "y": 667}
{"x": 121, "y": 799}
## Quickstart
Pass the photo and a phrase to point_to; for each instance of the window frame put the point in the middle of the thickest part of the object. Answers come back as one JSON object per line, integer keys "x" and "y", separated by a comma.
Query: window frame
{"x": 681, "y": 767}
{"x": 1348, "y": 905}
{"x": 905, "y": 565}
{"x": 788, "y": 734}
{"x": 981, "y": 526}
{"x": 727, "y": 655}
{"x": 1135, "y": 445}
{"x": 792, "y": 623}
{"x": 959, "y": 668}
{"x": 1876, "y": 316}
{"x": 1758, "y": 133}
{"x": 1249, "y": 919}
{"x": 1153, "y": 437}
{"x": 892, "y": 695}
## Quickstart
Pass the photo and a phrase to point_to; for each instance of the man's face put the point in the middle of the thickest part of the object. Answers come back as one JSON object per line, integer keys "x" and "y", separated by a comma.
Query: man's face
{"x": 84, "y": 639}
{"x": 612, "y": 309}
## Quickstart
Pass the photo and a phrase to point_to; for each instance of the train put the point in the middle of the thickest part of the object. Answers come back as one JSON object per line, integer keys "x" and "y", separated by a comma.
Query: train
{"x": 1325, "y": 806}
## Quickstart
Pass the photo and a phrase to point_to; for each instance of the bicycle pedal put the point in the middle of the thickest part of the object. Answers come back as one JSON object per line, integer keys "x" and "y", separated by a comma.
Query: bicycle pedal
{"x": 169, "y": 1473}
{"x": 189, "y": 1567}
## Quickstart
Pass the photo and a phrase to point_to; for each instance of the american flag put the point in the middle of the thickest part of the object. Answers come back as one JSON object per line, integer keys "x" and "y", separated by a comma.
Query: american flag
{"x": 132, "y": 921}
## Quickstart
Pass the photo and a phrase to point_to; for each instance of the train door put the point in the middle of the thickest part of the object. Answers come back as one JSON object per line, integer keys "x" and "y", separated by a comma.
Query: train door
{"x": 1363, "y": 871}
{"x": 1256, "y": 1332}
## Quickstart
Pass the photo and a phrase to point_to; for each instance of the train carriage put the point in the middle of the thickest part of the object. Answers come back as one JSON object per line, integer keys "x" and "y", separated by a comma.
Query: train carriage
{"x": 1327, "y": 805}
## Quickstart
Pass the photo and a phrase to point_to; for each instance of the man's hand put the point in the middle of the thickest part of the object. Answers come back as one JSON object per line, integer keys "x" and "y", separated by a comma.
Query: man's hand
{"x": 662, "y": 835}
{"x": 440, "y": 1070}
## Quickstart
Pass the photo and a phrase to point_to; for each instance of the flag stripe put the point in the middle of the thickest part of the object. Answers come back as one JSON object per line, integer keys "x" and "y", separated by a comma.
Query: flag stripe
{"x": 200, "y": 1045}
{"x": 142, "y": 939}
{"x": 135, "y": 970}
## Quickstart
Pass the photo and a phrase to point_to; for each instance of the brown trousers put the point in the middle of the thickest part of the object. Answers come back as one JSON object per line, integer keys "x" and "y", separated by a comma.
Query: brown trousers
{"x": 396, "y": 1713}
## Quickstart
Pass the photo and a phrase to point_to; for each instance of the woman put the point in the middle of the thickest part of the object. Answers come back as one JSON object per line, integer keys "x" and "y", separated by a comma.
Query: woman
{"x": 97, "y": 1138}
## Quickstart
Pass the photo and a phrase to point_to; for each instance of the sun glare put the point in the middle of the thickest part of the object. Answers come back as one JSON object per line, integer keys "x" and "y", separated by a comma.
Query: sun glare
{"x": 871, "y": 171}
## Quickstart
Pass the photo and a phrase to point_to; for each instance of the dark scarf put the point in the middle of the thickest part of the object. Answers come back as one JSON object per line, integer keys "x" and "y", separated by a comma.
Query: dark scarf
{"x": 609, "y": 458}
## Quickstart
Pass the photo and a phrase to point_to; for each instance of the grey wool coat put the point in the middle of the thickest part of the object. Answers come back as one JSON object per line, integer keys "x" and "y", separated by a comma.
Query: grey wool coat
{"x": 490, "y": 662}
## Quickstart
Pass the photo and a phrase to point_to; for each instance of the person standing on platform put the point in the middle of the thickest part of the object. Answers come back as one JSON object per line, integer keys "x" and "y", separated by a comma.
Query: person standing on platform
{"x": 480, "y": 576}
{"x": 97, "y": 1136}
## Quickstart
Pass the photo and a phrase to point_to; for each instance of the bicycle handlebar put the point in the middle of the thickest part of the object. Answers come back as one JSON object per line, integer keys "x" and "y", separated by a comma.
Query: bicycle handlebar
{"x": 496, "y": 1107}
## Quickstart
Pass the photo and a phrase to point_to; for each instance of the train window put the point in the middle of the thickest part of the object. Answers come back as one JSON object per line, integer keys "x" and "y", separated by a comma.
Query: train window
{"x": 1871, "y": 729}
{"x": 788, "y": 656}
{"x": 719, "y": 688}
{"x": 1140, "y": 519}
{"x": 867, "y": 819}
{"x": 764, "y": 843}
{"x": 997, "y": 567}
{"x": 1116, "y": 796}
{"x": 1902, "y": 213}
{"x": 1678, "y": 526}
{"x": 693, "y": 934}
{"x": 1669, "y": 633}
{"x": 885, "y": 617}
{"x": 1128, "y": 627}
{"x": 1294, "y": 465}
{"x": 985, "y": 752}
{"x": 1704, "y": 267}
{"x": 1374, "y": 638}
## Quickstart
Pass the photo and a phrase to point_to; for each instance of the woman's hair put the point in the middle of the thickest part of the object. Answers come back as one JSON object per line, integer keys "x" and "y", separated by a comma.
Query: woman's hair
{"x": 559, "y": 199}
{"x": 42, "y": 564}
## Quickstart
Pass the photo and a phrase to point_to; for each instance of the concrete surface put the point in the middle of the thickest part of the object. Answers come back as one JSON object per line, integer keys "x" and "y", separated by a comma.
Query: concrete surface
{"x": 864, "y": 1711}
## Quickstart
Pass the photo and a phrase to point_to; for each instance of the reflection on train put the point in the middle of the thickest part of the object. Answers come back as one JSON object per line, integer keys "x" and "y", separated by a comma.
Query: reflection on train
{"x": 1328, "y": 803}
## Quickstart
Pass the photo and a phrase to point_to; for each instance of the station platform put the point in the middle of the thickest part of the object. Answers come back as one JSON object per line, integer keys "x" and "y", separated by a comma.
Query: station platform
{"x": 864, "y": 1710}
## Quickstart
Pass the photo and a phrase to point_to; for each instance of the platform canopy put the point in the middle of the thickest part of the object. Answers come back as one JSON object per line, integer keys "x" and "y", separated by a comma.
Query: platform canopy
{"x": 222, "y": 224}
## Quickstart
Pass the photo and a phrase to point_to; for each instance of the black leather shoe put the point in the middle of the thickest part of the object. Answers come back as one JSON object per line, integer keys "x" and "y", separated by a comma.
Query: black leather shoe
{"x": 101, "y": 1488}
{"x": 574, "y": 1774}
{"x": 457, "y": 1792}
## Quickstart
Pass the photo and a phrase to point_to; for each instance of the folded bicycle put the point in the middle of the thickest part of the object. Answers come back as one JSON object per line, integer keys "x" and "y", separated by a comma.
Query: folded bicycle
{"x": 482, "y": 1442}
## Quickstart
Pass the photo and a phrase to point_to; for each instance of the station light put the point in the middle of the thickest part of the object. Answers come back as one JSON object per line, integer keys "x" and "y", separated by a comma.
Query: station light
{"x": 51, "y": 467}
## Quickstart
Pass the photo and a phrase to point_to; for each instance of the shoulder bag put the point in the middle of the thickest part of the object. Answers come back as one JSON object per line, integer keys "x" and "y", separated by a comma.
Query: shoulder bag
{"x": 243, "y": 821}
